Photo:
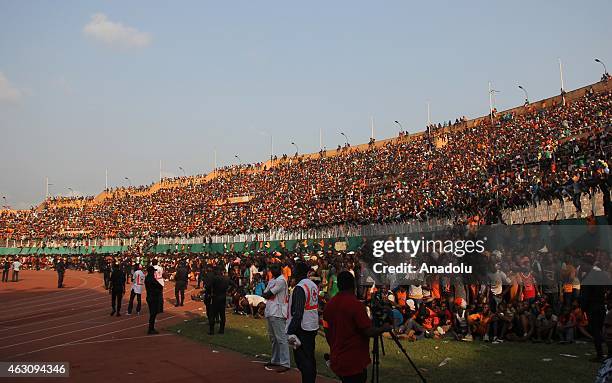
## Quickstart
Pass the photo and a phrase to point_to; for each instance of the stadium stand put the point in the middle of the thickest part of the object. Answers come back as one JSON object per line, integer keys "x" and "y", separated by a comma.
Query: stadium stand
{"x": 486, "y": 170}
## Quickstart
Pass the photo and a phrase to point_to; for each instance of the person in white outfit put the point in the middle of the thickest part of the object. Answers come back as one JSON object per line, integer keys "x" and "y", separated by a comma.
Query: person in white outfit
{"x": 136, "y": 292}
{"x": 277, "y": 296}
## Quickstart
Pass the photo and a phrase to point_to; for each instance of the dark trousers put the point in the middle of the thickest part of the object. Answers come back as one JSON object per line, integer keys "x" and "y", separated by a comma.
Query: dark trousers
{"x": 154, "y": 305}
{"x": 596, "y": 320}
{"x": 179, "y": 294}
{"x": 60, "y": 280}
{"x": 161, "y": 304}
{"x": 131, "y": 304}
{"x": 362, "y": 377}
{"x": 5, "y": 275}
{"x": 305, "y": 356}
{"x": 15, "y": 276}
{"x": 117, "y": 297}
{"x": 217, "y": 308}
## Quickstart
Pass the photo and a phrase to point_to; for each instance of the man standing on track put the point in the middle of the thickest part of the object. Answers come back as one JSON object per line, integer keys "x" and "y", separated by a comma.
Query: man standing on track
{"x": 6, "y": 266}
{"x": 154, "y": 296}
{"x": 218, "y": 286}
{"x": 106, "y": 270}
{"x": 117, "y": 288}
{"x": 303, "y": 322}
{"x": 16, "y": 268}
{"x": 180, "y": 283}
{"x": 136, "y": 291}
{"x": 60, "y": 267}
{"x": 159, "y": 276}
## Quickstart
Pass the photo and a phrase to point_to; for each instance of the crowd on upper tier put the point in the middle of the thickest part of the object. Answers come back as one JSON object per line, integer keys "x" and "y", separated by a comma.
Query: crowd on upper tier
{"x": 507, "y": 162}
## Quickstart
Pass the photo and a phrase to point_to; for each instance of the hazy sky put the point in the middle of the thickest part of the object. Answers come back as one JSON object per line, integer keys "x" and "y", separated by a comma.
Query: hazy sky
{"x": 89, "y": 85}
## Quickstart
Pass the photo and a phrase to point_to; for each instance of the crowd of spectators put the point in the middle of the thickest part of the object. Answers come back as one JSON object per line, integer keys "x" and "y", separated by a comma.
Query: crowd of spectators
{"x": 510, "y": 161}
{"x": 531, "y": 289}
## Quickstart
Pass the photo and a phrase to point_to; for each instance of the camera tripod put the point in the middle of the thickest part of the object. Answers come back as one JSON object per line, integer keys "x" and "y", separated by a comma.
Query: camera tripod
{"x": 379, "y": 345}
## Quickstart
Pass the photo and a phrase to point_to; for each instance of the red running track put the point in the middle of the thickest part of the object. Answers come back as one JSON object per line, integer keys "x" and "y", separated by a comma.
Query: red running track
{"x": 41, "y": 323}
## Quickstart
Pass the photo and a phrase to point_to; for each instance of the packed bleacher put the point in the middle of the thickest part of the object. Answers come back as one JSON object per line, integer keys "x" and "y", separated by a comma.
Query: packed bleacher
{"x": 557, "y": 152}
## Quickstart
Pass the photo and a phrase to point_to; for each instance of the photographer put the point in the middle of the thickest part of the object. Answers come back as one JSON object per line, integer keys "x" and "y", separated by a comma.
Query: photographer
{"x": 348, "y": 332}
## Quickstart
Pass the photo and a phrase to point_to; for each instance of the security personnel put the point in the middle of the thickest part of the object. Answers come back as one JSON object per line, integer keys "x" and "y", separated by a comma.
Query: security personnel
{"x": 106, "y": 269}
{"x": 217, "y": 286}
{"x": 6, "y": 266}
{"x": 180, "y": 283}
{"x": 207, "y": 295}
{"x": 117, "y": 288}
{"x": 303, "y": 322}
{"x": 60, "y": 267}
{"x": 154, "y": 297}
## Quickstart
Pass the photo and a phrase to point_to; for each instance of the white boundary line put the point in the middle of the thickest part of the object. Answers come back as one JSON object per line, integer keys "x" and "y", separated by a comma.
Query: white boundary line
{"x": 7, "y": 328}
{"x": 55, "y": 292}
{"x": 119, "y": 339}
{"x": 68, "y": 324}
{"x": 65, "y": 333}
{"x": 91, "y": 337}
{"x": 101, "y": 308}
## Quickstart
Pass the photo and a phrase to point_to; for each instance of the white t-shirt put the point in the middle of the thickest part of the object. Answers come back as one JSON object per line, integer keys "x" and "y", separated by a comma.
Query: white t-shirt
{"x": 254, "y": 300}
{"x": 16, "y": 265}
{"x": 138, "y": 281}
{"x": 498, "y": 279}
{"x": 277, "y": 305}
{"x": 159, "y": 274}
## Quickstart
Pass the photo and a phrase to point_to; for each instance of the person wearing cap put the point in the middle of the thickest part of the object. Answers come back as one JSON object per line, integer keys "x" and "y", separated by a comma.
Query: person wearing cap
{"x": 60, "y": 268}
{"x": 154, "y": 295}
{"x": 276, "y": 294}
{"x": 303, "y": 322}
{"x": 136, "y": 290}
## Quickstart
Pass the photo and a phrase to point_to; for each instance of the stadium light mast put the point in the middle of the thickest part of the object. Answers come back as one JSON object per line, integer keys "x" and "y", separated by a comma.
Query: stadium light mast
{"x": 238, "y": 158}
{"x": 400, "y": 125}
{"x": 372, "y": 127}
{"x": 604, "y": 66}
{"x": 320, "y": 138}
{"x": 561, "y": 76}
{"x": 491, "y": 100}
{"x": 128, "y": 180}
{"x": 297, "y": 150}
{"x": 71, "y": 192}
{"x": 526, "y": 94}
{"x": 47, "y": 188}
{"x": 345, "y": 137}
{"x": 183, "y": 170}
{"x": 428, "y": 114}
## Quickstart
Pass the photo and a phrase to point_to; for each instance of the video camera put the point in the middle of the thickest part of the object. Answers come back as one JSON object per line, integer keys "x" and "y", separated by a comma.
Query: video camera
{"x": 380, "y": 310}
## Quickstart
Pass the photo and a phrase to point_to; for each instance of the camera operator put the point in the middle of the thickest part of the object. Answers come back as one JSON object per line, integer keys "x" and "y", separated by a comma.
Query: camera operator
{"x": 348, "y": 332}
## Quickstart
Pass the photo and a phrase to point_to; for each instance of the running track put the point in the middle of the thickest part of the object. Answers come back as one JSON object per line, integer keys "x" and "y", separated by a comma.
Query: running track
{"x": 39, "y": 322}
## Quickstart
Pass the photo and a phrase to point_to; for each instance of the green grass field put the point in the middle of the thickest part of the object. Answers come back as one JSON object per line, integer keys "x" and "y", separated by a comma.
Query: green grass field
{"x": 469, "y": 362}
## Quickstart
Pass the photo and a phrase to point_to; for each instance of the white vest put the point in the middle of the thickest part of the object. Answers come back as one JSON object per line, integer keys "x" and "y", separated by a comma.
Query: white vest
{"x": 138, "y": 281}
{"x": 310, "y": 319}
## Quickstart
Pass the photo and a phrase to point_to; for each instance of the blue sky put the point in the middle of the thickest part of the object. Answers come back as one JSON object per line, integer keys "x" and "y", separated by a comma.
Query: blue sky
{"x": 145, "y": 81}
